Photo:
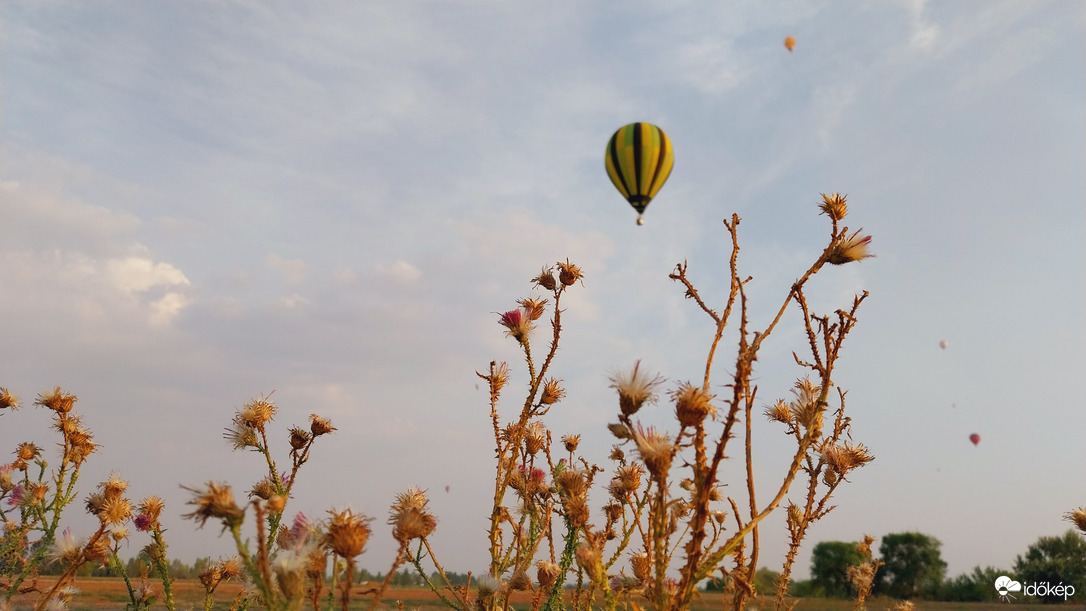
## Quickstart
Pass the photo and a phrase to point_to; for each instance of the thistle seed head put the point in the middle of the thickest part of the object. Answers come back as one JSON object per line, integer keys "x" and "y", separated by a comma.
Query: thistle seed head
{"x": 241, "y": 436}
{"x": 834, "y": 206}
{"x": 626, "y": 481}
{"x": 546, "y": 573}
{"x": 780, "y": 412}
{"x": 535, "y": 436}
{"x": 498, "y": 376}
{"x": 552, "y": 392}
{"x": 692, "y": 405}
{"x": 534, "y": 308}
{"x": 264, "y": 489}
{"x": 850, "y": 248}
{"x": 642, "y": 566}
{"x": 546, "y": 279}
{"x": 57, "y": 400}
{"x": 410, "y": 517}
{"x": 27, "y": 451}
{"x": 66, "y": 548}
{"x": 256, "y": 413}
{"x": 576, "y": 509}
{"x": 570, "y": 442}
{"x": 572, "y": 483}
{"x": 568, "y": 273}
{"x": 319, "y": 426}
{"x": 347, "y": 533}
{"x": 656, "y": 450}
{"x": 520, "y": 581}
{"x": 214, "y": 501}
{"x": 635, "y": 388}
{"x": 8, "y": 400}
{"x": 1078, "y": 518}
{"x": 151, "y": 507}
{"x": 299, "y": 437}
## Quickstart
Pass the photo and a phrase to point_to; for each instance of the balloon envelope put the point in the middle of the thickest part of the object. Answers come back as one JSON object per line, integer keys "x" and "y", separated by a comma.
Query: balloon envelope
{"x": 790, "y": 43}
{"x": 638, "y": 159}
{"x": 943, "y": 344}
{"x": 974, "y": 438}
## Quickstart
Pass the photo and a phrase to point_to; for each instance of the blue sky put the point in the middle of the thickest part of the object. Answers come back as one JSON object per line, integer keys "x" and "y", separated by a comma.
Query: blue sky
{"x": 206, "y": 202}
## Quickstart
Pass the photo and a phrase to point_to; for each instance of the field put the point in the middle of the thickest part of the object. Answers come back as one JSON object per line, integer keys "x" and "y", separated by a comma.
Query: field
{"x": 109, "y": 593}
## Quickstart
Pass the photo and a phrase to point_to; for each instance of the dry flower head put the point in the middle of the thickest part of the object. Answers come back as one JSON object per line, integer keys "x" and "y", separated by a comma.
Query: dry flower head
{"x": 635, "y": 388}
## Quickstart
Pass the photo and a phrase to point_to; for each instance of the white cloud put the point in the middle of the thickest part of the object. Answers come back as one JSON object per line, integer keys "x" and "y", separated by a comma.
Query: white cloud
{"x": 137, "y": 275}
{"x": 401, "y": 271}
{"x": 345, "y": 276}
{"x": 924, "y": 32}
{"x": 79, "y": 263}
{"x": 711, "y": 65}
{"x": 293, "y": 270}
{"x": 294, "y": 301}
{"x": 830, "y": 108}
{"x": 166, "y": 308}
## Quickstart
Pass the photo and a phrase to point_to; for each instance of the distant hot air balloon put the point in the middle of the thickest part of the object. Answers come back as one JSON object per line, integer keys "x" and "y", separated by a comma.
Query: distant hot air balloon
{"x": 446, "y": 489}
{"x": 790, "y": 43}
{"x": 638, "y": 160}
{"x": 943, "y": 344}
{"x": 974, "y": 438}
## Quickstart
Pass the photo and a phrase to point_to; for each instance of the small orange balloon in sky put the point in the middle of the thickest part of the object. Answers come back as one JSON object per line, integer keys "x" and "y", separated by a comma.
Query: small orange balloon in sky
{"x": 790, "y": 43}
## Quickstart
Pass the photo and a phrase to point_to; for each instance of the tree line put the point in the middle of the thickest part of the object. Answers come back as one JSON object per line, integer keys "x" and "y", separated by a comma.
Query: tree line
{"x": 913, "y": 568}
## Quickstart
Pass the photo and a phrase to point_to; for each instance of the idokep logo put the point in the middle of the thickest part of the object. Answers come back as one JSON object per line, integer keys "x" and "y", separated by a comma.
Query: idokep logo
{"x": 1005, "y": 585}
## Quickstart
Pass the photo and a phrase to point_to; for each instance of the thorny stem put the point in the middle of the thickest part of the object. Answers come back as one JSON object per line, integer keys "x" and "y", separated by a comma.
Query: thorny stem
{"x": 69, "y": 574}
{"x": 695, "y": 569}
{"x": 160, "y": 562}
{"x": 345, "y": 595}
{"x": 416, "y": 560}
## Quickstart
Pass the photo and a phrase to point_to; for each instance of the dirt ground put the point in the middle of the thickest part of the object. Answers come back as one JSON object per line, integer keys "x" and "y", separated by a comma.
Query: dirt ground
{"x": 97, "y": 594}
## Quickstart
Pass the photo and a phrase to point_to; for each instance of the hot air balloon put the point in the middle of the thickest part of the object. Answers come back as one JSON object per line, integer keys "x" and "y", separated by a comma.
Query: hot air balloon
{"x": 943, "y": 344}
{"x": 974, "y": 438}
{"x": 790, "y": 43}
{"x": 638, "y": 160}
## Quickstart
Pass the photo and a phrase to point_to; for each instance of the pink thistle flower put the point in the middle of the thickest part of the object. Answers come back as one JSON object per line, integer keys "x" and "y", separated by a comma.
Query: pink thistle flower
{"x": 518, "y": 323}
{"x": 142, "y": 522}
{"x": 17, "y": 494}
{"x": 300, "y": 528}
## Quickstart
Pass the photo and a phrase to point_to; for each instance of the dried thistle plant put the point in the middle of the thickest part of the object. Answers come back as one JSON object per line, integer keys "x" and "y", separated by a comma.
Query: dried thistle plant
{"x": 32, "y": 498}
{"x": 1078, "y": 518}
{"x": 665, "y": 515}
{"x": 862, "y": 576}
{"x": 285, "y": 576}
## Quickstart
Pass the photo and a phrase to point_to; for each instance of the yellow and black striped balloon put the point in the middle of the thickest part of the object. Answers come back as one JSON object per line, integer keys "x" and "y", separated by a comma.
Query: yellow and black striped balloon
{"x": 639, "y": 159}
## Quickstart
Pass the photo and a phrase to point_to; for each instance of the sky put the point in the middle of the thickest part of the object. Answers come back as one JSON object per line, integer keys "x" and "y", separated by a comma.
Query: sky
{"x": 202, "y": 203}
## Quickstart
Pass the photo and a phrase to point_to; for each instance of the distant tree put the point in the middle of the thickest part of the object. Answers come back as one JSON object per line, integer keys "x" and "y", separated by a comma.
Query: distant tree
{"x": 765, "y": 581}
{"x": 829, "y": 567}
{"x": 136, "y": 567}
{"x": 456, "y": 579}
{"x": 913, "y": 566}
{"x": 1054, "y": 560}
{"x": 805, "y": 588}
{"x": 977, "y": 586}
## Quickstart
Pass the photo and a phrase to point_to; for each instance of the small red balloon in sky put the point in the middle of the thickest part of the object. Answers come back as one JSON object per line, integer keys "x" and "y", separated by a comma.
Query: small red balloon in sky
{"x": 943, "y": 344}
{"x": 974, "y": 438}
